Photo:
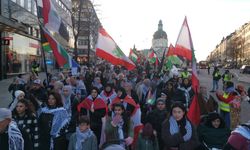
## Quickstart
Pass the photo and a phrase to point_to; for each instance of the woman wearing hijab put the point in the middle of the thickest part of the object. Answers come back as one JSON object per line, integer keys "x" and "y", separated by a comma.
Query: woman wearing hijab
{"x": 108, "y": 94}
{"x": 177, "y": 132}
{"x": 95, "y": 108}
{"x": 53, "y": 122}
{"x": 70, "y": 103}
{"x": 213, "y": 133}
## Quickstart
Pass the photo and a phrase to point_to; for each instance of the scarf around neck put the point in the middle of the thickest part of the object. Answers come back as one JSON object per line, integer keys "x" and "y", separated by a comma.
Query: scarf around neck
{"x": 60, "y": 120}
{"x": 16, "y": 141}
{"x": 174, "y": 128}
{"x": 81, "y": 137}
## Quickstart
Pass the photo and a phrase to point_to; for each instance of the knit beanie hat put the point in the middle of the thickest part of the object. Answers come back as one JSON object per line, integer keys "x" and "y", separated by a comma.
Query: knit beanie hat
{"x": 5, "y": 113}
{"x": 18, "y": 92}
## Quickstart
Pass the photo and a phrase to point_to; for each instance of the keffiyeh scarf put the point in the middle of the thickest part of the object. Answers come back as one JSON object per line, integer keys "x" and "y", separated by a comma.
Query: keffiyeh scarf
{"x": 60, "y": 120}
{"x": 81, "y": 137}
{"x": 15, "y": 137}
{"x": 174, "y": 128}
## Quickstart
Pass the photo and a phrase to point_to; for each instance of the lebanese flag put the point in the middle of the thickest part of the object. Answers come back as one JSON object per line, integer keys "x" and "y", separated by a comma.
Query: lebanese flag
{"x": 61, "y": 55}
{"x": 184, "y": 43}
{"x": 107, "y": 49}
{"x": 153, "y": 58}
{"x": 171, "y": 50}
{"x": 133, "y": 56}
{"x": 51, "y": 20}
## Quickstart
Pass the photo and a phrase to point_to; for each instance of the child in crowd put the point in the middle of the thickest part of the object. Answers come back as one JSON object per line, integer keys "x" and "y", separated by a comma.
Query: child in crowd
{"x": 83, "y": 138}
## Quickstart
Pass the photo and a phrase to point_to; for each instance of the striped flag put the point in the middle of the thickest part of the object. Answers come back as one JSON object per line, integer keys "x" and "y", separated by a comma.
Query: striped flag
{"x": 133, "y": 56}
{"x": 107, "y": 49}
{"x": 184, "y": 44}
{"x": 51, "y": 20}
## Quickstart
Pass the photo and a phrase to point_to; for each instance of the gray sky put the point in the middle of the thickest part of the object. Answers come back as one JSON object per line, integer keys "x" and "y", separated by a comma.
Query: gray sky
{"x": 132, "y": 22}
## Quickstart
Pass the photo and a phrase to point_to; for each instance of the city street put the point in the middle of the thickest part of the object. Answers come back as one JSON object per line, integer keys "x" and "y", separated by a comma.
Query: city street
{"x": 243, "y": 79}
{"x": 205, "y": 79}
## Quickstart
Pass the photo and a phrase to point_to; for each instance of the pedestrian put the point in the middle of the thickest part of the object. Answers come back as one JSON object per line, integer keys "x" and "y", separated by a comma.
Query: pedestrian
{"x": 27, "y": 124}
{"x": 208, "y": 69}
{"x": 118, "y": 128}
{"x": 213, "y": 133}
{"x": 225, "y": 97}
{"x": 96, "y": 109}
{"x": 216, "y": 78}
{"x": 147, "y": 139}
{"x": 156, "y": 117}
{"x": 84, "y": 138}
{"x": 18, "y": 96}
{"x": 10, "y": 136}
{"x": 53, "y": 122}
{"x": 178, "y": 133}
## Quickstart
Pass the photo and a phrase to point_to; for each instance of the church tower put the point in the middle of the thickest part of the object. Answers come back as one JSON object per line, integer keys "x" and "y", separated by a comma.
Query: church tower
{"x": 160, "y": 40}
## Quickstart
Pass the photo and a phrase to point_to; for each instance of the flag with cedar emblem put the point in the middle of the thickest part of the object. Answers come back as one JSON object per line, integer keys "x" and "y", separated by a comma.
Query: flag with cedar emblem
{"x": 184, "y": 45}
{"x": 107, "y": 49}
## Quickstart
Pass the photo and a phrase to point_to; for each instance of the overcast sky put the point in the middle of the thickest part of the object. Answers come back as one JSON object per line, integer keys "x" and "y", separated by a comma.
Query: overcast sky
{"x": 132, "y": 22}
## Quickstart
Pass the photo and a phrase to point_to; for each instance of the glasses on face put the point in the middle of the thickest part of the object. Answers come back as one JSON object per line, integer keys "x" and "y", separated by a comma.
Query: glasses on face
{"x": 94, "y": 92}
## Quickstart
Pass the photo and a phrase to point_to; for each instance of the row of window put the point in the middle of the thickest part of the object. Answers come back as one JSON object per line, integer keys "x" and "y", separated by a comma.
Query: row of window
{"x": 29, "y": 5}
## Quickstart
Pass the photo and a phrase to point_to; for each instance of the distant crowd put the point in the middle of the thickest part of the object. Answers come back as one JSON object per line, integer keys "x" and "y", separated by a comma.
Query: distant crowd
{"x": 106, "y": 107}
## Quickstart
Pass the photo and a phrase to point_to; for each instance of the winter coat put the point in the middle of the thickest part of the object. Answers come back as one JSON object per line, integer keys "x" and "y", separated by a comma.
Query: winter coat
{"x": 213, "y": 137}
{"x": 45, "y": 125}
{"x": 88, "y": 144}
{"x": 177, "y": 139}
{"x": 156, "y": 118}
{"x": 146, "y": 144}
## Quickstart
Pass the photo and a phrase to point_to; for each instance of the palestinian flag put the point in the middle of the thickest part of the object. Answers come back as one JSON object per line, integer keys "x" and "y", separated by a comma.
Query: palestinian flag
{"x": 60, "y": 54}
{"x": 153, "y": 59}
{"x": 107, "y": 49}
{"x": 51, "y": 20}
{"x": 133, "y": 56}
{"x": 170, "y": 50}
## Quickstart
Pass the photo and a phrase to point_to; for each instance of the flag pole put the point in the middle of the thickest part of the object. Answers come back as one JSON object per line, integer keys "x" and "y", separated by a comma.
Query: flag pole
{"x": 162, "y": 61}
{"x": 42, "y": 49}
{"x": 43, "y": 55}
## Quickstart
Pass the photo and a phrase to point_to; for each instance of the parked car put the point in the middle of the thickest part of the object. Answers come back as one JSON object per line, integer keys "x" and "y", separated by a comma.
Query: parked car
{"x": 245, "y": 69}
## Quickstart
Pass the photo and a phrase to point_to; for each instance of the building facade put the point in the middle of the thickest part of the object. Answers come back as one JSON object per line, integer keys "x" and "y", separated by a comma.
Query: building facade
{"x": 234, "y": 49}
{"x": 86, "y": 24}
{"x": 19, "y": 33}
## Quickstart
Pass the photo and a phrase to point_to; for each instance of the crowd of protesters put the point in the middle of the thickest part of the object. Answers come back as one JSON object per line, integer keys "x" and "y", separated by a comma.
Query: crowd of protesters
{"x": 108, "y": 107}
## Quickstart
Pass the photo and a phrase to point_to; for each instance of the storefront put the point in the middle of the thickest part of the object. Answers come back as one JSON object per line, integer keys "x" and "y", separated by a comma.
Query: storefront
{"x": 20, "y": 52}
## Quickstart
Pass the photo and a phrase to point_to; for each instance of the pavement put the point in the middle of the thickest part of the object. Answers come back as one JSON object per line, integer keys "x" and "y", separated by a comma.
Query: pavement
{"x": 5, "y": 96}
{"x": 239, "y": 76}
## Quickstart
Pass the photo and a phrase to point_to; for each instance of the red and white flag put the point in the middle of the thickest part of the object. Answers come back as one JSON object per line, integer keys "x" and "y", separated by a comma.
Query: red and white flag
{"x": 107, "y": 49}
{"x": 184, "y": 42}
{"x": 184, "y": 47}
{"x": 171, "y": 50}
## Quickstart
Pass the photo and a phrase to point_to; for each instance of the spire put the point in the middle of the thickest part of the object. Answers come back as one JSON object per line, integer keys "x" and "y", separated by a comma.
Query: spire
{"x": 160, "y": 25}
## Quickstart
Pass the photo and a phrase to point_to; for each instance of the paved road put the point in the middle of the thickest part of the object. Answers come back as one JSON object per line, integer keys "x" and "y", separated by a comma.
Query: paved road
{"x": 206, "y": 80}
